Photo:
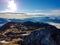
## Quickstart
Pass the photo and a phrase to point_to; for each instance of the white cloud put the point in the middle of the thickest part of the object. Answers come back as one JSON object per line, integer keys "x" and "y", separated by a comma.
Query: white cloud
{"x": 33, "y": 13}
{"x": 46, "y": 13}
{"x": 55, "y": 12}
{"x": 41, "y": 13}
{"x": 16, "y": 16}
{"x": 55, "y": 24}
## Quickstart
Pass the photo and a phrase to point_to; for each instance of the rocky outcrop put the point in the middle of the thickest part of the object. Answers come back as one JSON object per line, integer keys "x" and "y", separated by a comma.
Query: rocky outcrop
{"x": 43, "y": 37}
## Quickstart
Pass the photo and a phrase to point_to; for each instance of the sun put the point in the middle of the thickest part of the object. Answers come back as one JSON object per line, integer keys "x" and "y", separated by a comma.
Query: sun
{"x": 11, "y": 7}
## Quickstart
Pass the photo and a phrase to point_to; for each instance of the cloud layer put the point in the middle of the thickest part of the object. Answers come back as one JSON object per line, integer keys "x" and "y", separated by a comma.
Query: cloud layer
{"x": 46, "y": 13}
{"x": 53, "y": 13}
{"x": 16, "y": 15}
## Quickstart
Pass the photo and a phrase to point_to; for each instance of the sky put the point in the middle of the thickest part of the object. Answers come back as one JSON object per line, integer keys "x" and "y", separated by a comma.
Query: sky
{"x": 43, "y": 7}
{"x": 32, "y": 5}
{"x": 33, "y": 8}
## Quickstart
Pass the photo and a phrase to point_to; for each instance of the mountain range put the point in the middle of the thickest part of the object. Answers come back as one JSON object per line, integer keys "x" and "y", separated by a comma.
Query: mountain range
{"x": 45, "y": 19}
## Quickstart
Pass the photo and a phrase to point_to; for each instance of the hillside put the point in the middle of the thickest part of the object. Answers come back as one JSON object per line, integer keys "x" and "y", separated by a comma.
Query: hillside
{"x": 29, "y": 33}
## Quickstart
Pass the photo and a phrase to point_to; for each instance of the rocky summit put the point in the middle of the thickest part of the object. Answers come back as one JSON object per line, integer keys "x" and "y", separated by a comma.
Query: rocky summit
{"x": 29, "y": 33}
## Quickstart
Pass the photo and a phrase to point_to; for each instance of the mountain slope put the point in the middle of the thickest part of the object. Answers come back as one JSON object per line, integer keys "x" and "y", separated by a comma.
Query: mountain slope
{"x": 43, "y": 37}
{"x": 32, "y": 33}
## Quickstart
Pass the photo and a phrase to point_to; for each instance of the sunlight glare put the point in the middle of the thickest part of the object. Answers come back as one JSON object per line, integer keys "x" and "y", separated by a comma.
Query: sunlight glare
{"x": 11, "y": 6}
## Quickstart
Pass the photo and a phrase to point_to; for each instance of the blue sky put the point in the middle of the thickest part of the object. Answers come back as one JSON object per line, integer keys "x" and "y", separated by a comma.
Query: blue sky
{"x": 39, "y": 4}
{"x": 33, "y": 5}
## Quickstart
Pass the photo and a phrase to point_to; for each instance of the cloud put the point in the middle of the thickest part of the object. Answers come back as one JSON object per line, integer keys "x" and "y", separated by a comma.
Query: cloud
{"x": 46, "y": 13}
{"x": 34, "y": 13}
{"x": 55, "y": 12}
{"x": 55, "y": 24}
{"x": 16, "y": 15}
{"x": 38, "y": 13}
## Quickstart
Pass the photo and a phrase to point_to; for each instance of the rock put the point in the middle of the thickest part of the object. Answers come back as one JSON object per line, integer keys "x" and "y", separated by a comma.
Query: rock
{"x": 43, "y": 37}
